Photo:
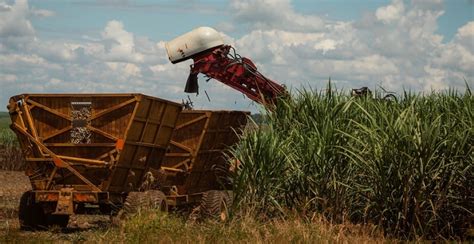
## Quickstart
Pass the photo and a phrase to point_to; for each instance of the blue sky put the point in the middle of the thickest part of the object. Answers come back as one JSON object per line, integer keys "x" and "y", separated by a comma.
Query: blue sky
{"x": 118, "y": 45}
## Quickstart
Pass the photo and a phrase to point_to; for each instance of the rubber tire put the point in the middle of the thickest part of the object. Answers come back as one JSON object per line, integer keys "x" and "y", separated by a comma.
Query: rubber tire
{"x": 157, "y": 200}
{"x": 30, "y": 214}
{"x": 137, "y": 201}
{"x": 133, "y": 203}
{"x": 215, "y": 205}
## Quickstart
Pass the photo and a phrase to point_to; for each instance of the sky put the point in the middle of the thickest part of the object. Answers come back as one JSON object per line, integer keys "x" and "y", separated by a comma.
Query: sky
{"x": 118, "y": 46}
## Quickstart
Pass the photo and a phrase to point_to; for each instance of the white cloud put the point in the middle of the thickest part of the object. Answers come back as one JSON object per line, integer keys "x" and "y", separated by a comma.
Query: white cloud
{"x": 325, "y": 45}
{"x": 128, "y": 69}
{"x": 42, "y": 12}
{"x": 466, "y": 31}
{"x": 274, "y": 14}
{"x": 8, "y": 77}
{"x": 55, "y": 81}
{"x": 120, "y": 44}
{"x": 13, "y": 20}
{"x": 4, "y": 7}
{"x": 391, "y": 12}
{"x": 465, "y": 35}
{"x": 457, "y": 56}
{"x": 13, "y": 61}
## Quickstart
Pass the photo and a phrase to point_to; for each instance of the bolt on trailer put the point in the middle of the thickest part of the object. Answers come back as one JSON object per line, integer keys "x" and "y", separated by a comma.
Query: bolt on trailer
{"x": 195, "y": 169}
{"x": 87, "y": 151}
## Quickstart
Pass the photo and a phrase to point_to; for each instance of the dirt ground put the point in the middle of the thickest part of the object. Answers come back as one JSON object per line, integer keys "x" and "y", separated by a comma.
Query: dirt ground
{"x": 12, "y": 186}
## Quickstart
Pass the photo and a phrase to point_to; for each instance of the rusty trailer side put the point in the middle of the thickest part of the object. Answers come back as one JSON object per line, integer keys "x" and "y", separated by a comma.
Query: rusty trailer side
{"x": 90, "y": 148}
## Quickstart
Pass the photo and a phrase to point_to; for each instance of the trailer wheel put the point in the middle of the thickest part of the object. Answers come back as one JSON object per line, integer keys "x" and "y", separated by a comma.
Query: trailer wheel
{"x": 157, "y": 200}
{"x": 137, "y": 201}
{"x": 30, "y": 214}
{"x": 215, "y": 205}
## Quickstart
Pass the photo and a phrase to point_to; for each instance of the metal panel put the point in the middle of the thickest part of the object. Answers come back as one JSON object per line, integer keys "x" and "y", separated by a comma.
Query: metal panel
{"x": 148, "y": 137}
{"x": 196, "y": 153}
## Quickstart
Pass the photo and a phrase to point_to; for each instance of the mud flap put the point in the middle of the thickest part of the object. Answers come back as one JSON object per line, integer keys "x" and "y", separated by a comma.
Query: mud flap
{"x": 65, "y": 205}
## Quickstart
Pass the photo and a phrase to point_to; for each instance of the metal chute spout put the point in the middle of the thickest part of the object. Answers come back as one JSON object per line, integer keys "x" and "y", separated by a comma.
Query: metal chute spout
{"x": 186, "y": 46}
{"x": 192, "y": 85}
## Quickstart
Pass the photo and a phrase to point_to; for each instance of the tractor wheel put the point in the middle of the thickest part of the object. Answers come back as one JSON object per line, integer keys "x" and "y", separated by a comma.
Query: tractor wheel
{"x": 215, "y": 205}
{"x": 31, "y": 214}
{"x": 137, "y": 201}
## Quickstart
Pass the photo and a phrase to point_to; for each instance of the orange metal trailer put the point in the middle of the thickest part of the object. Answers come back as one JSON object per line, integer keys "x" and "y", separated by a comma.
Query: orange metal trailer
{"x": 87, "y": 149}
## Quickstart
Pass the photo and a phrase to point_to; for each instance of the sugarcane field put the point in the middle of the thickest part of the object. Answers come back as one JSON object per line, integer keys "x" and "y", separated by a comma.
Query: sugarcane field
{"x": 270, "y": 121}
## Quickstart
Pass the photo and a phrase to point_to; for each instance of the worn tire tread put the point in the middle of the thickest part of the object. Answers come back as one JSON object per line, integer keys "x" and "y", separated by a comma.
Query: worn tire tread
{"x": 211, "y": 203}
{"x": 138, "y": 201}
{"x": 157, "y": 200}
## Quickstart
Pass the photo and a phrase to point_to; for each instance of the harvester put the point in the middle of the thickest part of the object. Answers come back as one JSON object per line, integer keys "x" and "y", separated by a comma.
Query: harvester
{"x": 216, "y": 60}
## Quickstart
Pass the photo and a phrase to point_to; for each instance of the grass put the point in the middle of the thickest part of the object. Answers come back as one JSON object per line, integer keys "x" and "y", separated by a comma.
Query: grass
{"x": 404, "y": 166}
{"x": 10, "y": 152}
{"x": 153, "y": 227}
{"x": 7, "y": 136}
{"x": 4, "y": 121}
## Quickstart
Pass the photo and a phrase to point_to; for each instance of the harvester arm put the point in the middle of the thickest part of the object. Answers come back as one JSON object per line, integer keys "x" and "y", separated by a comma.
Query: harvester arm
{"x": 218, "y": 61}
